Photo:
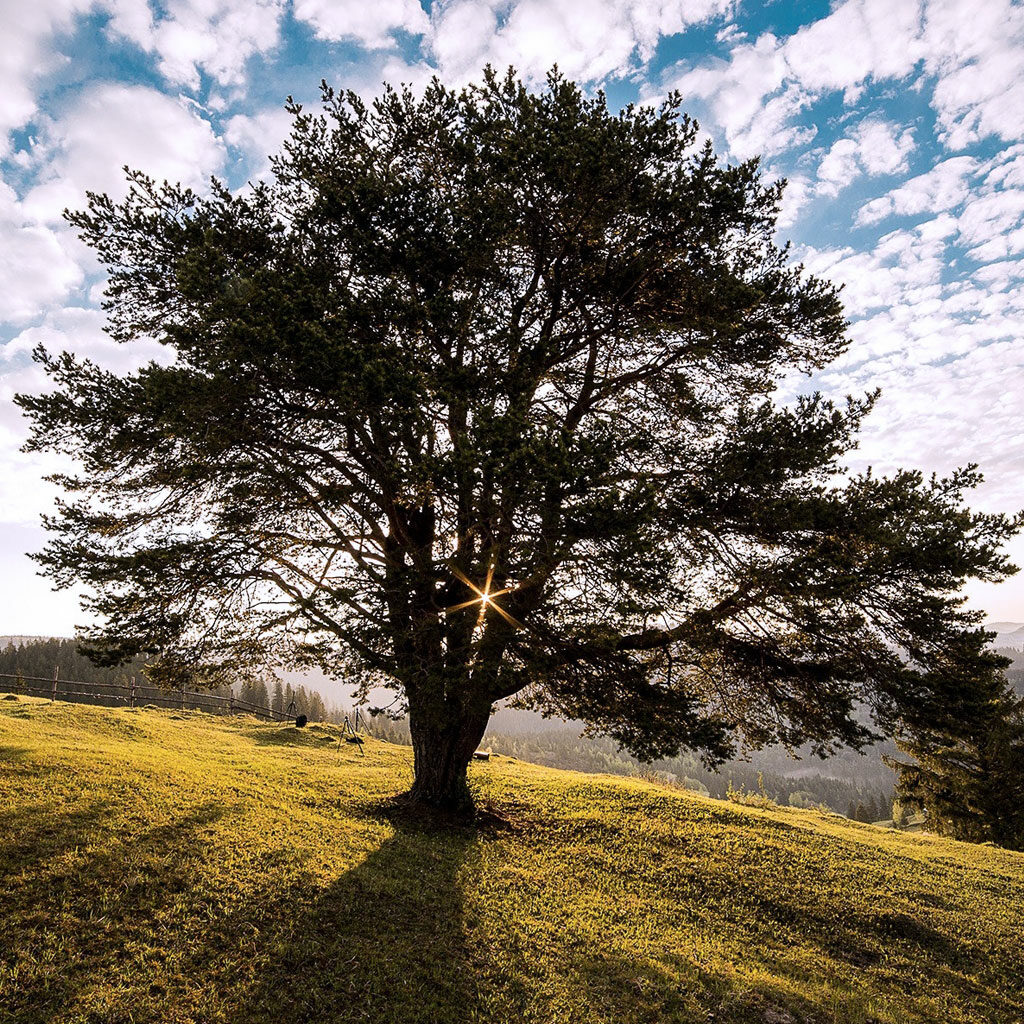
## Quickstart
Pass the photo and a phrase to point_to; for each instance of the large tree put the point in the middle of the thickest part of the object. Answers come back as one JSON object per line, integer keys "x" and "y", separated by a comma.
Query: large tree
{"x": 473, "y": 399}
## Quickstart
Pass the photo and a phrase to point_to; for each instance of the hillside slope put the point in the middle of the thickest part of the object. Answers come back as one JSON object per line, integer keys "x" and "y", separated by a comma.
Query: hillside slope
{"x": 159, "y": 866}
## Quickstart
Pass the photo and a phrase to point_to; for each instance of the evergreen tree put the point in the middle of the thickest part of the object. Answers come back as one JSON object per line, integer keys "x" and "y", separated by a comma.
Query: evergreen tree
{"x": 260, "y": 696}
{"x": 481, "y": 386}
{"x": 317, "y": 711}
{"x": 278, "y": 702}
{"x": 899, "y": 814}
{"x": 967, "y": 775}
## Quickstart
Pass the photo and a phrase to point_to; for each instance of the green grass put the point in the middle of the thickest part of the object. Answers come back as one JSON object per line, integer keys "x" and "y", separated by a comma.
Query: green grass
{"x": 169, "y": 867}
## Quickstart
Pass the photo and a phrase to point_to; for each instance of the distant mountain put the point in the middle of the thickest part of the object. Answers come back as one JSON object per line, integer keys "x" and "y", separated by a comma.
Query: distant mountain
{"x": 1008, "y": 634}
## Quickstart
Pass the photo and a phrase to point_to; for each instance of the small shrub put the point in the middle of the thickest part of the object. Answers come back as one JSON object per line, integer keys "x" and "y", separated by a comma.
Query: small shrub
{"x": 805, "y": 801}
{"x": 758, "y": 799}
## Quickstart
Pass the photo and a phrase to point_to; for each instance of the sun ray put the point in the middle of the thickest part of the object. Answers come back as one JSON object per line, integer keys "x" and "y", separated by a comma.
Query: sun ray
{"x": 511, "y": 619}
{"x": 464, "y": 604}
{"x": 485, "y": 598}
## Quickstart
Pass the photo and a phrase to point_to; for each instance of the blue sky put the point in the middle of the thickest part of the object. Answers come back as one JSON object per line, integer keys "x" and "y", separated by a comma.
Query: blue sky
{"x": 898, "y": 124}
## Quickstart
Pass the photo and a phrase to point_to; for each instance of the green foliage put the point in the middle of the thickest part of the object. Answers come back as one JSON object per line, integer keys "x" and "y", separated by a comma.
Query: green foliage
{"x": 38, "y": 659}
{"x": 900, "y": 814}
{"x": 505, "y": 341}
{"x": 757, "y": 798}
{"x": 255, "y": 692}
{"x": 968, "y": 775}
{"x": 164, "y": 867}
{"x": 803, "y": 798}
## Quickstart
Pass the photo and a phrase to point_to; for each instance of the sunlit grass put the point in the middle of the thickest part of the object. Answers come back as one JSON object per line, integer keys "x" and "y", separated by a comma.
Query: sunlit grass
{"x": 161, "y": 866}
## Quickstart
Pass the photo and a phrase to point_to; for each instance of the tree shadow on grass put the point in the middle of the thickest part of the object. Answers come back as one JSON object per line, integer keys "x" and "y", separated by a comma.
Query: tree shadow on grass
{"x": 33, "y": 833}
{"x": 105, "y": 923}
{"x": 287, "y": 735}
{"x": 73, "y": 901}
{"x": 386, "y": 942}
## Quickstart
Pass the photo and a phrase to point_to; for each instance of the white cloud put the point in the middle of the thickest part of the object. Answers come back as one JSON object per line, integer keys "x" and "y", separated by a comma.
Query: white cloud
{"x": 80, "y": 330}
{"x": 945, "y": 352}
{"x": 36, "y": 268}
{"x": 990, "y": 223}
{"x": 589, "y": 39}
{"x": 977, "y": 53}
{"x": 874, "y": 147}
{"x": 190, "y": 36}
{"x": 838, "y": 167}
{"x": 794, "y": 199}
{"x": 258, "y": 136}
{"x": 883, "y": 147}
{"x": 904, "y": 266}
{"x": 1000, "y": 275}
{"x": 858, "y": 40}
{"x": 371, "y": 24}
{"x": 942, "y": 188}
{"x": 971, "y": 53}
{"x": 110, "y": 126}
{"x": 1007, "y": 169}
{"x": 772, "y": 129}
{"x": 26, "y": 493}
{"x": 732, "y": 33}
{"x": 27, "y": 54}
{"x": 186, "y": 37}
{"x": 735, "y": 90}
{"x": 73, "y": 329}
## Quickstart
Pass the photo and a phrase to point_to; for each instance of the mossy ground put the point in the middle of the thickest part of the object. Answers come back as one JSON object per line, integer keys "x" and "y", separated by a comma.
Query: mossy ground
{"x": 167, "y": 867}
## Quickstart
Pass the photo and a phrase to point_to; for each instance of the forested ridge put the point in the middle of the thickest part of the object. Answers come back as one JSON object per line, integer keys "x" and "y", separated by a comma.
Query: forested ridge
{"x": 1015, "y": 671}
{"x": 39, "y": 658}
{"x": 858, "y": 786}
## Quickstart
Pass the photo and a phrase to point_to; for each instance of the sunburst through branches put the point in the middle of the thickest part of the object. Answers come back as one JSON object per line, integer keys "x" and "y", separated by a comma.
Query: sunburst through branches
{"x": 485, "y": 598}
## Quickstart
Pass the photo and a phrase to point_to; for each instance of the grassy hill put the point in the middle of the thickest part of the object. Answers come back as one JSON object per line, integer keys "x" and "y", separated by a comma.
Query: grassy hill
{"x": 168, "y": 867}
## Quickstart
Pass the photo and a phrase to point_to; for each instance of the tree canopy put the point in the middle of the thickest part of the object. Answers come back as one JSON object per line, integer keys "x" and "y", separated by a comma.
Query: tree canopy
{"x": 475, "y": 399}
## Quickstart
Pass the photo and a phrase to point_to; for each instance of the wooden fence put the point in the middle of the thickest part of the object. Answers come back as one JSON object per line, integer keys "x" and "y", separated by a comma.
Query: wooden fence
{"x": 134, "y": 694}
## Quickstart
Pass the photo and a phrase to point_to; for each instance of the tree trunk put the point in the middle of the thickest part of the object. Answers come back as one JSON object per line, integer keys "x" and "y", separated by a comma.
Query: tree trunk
{"x": 443, "y": 743}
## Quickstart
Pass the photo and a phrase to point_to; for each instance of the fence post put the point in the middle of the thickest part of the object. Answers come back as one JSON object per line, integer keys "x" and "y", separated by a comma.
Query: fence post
{"x": 53, "y": 692}
{"x": 182, "y": 696}
{"x": 132, "y": 697}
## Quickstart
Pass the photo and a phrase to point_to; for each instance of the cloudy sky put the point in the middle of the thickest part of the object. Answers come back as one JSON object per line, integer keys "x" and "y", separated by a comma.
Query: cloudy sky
{"x": 897, "y": 123}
